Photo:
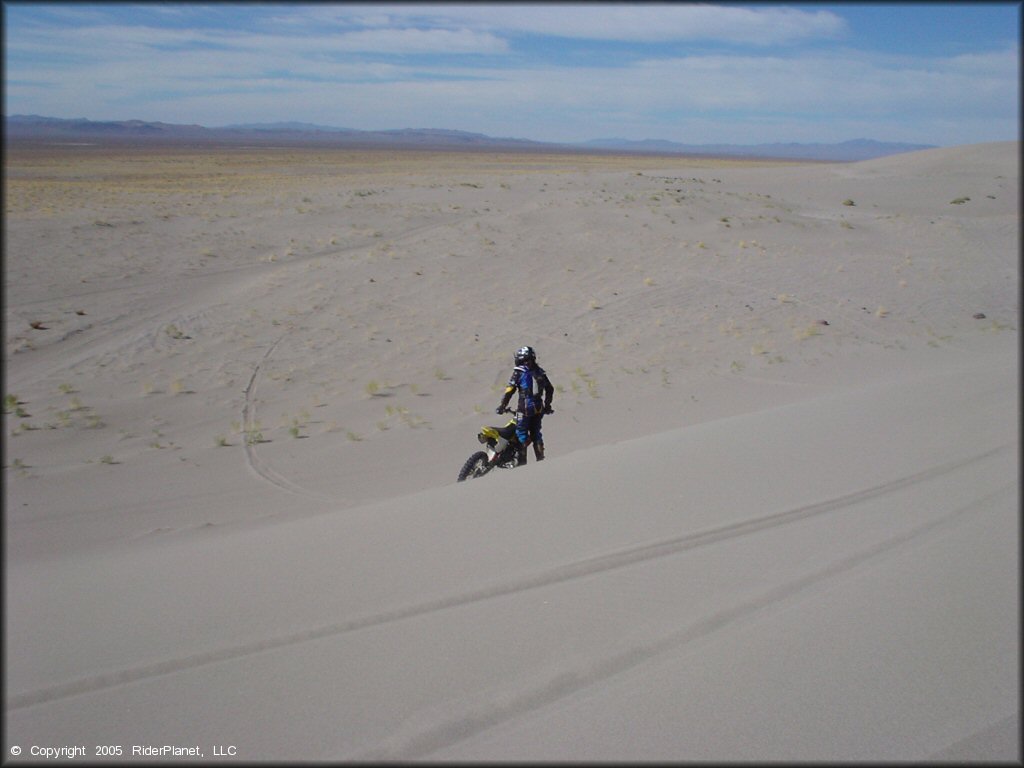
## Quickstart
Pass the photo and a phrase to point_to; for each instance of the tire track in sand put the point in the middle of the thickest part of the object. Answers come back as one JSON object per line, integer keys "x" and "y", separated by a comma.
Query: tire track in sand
{"x": 487, "y": 710}
{"x": 260, "y": 467}
{"x": 249, "y": 439}
{"x": 570, "y": 681}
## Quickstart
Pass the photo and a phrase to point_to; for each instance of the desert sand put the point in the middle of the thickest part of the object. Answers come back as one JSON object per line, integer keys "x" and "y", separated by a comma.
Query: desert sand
{"x": 779, "y": 517}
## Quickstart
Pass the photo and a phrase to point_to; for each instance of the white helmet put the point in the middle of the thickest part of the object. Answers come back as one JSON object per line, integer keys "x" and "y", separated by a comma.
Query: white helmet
{"x": 525, "y": 354}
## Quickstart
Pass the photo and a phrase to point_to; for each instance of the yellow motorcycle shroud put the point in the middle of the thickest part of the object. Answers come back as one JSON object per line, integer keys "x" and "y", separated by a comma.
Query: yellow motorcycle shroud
{"x": 492, "y": 432}
{"x": 493, "y": 439}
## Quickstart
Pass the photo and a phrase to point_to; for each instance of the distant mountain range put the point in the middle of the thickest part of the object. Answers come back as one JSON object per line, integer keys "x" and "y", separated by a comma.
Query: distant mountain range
{"x": 34, "y": 127}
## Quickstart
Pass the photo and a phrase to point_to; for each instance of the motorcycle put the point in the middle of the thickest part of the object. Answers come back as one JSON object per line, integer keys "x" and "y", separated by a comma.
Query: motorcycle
{"x": 501, "y": 449}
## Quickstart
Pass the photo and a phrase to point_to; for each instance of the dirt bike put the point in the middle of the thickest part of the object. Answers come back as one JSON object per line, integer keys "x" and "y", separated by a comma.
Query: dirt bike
{"x": 501, "y": 449}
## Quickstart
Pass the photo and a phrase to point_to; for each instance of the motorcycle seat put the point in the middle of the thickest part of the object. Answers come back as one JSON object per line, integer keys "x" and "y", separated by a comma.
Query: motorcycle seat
{"x": 508, "y": 431}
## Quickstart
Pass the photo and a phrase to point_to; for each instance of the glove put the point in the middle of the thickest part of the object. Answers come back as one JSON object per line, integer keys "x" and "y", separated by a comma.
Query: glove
{"x": 548, "y": 409}
{"x": 499, "y": 410}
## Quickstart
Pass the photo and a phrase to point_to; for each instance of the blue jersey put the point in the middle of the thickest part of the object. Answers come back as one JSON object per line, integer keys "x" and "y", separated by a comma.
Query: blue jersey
{"x": 532, "y": 385}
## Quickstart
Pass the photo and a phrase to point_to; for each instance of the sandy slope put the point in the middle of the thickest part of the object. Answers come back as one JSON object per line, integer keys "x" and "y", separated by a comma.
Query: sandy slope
{"x": 779, "y": 520}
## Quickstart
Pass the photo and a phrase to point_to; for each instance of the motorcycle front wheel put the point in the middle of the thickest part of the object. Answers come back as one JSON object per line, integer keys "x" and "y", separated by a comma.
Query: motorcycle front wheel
{"x": 475, "y": 466}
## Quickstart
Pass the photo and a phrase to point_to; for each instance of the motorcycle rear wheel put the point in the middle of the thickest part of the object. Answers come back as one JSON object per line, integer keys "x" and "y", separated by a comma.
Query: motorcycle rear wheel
{"x": 475, "y": 466}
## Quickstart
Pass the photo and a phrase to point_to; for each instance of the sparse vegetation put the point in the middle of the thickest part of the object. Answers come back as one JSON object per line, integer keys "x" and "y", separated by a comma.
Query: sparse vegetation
{"x": 588, "y": 380}
{"x": 324, "y": 327}
{"x": 806, "y": 332}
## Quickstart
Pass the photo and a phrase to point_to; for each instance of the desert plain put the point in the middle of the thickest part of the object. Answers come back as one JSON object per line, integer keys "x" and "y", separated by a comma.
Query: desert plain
{"x": 778, "y": 519}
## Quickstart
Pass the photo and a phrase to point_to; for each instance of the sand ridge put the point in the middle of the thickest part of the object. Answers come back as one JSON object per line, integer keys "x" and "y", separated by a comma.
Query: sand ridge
{"x": 248, "y": 379}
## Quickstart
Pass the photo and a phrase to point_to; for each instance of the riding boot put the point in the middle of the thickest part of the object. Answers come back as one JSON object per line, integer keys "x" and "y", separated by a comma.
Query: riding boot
{"x": 522, "y": 456}
{"x": 538, "y": 450}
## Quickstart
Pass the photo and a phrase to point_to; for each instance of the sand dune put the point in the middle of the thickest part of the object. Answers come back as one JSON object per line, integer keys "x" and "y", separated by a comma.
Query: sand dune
{"x": 779, "y": 519}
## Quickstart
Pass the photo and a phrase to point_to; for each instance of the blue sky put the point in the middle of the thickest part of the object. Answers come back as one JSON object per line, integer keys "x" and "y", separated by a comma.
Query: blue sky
{"x": 941, "y": 74}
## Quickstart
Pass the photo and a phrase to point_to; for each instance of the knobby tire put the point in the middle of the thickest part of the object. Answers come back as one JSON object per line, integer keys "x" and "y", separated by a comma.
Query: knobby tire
{"x": 473, "y": 463}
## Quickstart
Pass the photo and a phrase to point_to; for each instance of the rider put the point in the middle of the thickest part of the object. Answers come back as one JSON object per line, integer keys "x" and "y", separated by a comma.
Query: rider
{"x": 531, "y": 382}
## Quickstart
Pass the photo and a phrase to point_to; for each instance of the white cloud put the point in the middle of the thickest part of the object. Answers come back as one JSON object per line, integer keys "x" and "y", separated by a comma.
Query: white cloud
{"x": 626, "y": 22}
{"x": 320, "y": 63}
{"x": 661, "y": 98}
{"x": 406, "y": 41}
